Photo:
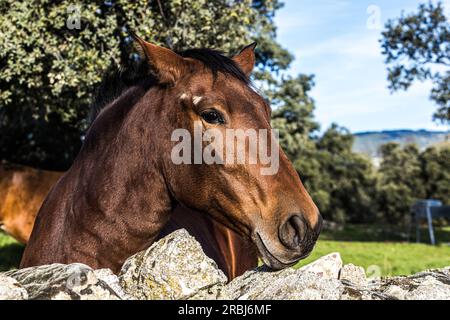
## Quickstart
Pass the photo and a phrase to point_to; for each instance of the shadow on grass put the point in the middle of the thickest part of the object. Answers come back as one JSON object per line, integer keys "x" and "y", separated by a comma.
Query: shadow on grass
{"x": 10, "y": 255}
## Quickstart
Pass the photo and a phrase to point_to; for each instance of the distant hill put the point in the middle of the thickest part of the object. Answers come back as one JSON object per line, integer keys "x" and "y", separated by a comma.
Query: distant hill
{"x": 369, "y": 142}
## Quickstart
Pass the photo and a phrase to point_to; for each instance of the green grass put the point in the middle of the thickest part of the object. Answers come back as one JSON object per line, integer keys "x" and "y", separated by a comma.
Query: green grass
{"x": 10, "y": 252}
{"x": 387, "y": 258}
{"x": 384, "y": 249}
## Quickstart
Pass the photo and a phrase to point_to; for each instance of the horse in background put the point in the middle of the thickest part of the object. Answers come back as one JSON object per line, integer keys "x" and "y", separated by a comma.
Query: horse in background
{"x": 23, "y": 189}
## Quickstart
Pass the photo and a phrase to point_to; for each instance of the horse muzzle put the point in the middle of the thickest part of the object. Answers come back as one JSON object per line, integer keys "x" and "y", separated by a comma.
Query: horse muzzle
{"x": 295, "y": 241}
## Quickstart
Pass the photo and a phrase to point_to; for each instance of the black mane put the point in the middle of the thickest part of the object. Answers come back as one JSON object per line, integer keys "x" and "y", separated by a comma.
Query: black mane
{"x": 216, "y": 62}
{"x": 116, "y": 80}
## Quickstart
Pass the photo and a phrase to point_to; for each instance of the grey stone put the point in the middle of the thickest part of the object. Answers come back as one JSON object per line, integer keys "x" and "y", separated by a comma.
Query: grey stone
{"x": 353, "y": 274}
{"x": 175, "y": 267}
{"x": 327, "y": 266}
{"x": 107, "y": 276}
{"x": 426, "y": 285}
{"x": 63, "y": 282}
{"x": 10, "y": 289}
{"x": 288, "y": 284}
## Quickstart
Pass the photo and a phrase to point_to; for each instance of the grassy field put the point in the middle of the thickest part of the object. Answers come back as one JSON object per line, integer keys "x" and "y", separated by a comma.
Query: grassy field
{"x": 379, "y": 249}
{"x": 383, "y": 250}
{"x": 385, "y": 258}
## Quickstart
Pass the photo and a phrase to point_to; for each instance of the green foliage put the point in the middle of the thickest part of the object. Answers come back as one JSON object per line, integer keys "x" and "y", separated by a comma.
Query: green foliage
{"x": 417, "y": 47}
{"x": 346, "y": 177}
{"x": 406, "y": 175}
{"x": 400, "y": 182}
{"x": 436, "y": 172}
{"x": 270, "y": 55}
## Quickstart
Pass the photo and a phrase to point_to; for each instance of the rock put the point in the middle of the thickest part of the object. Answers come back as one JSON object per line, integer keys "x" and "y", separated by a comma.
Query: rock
{"x": 175, "y": 267}
{"x": 353, "y": 274}
{"x": 63, "y": 282}
{"x": 325, "y": 279}
{"x": 427, "y": 285}
{"x": 107, "y": 276}
{"x": 10, "y": 289}
{"x": 352, "y": 292}
{"x": 327, "y": 266}
{"x": 317, "y": 280}
{"x": 285, "y": 284}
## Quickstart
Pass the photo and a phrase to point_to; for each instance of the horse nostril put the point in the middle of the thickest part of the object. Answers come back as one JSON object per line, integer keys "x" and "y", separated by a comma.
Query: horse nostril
{"x": 292, "y": 232}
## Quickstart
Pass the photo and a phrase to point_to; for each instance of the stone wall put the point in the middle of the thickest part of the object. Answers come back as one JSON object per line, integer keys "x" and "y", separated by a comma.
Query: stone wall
{"x": 176, "y": 268}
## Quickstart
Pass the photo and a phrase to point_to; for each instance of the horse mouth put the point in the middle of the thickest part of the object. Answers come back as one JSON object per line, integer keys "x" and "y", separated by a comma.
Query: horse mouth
{"x": 270, "y": 259}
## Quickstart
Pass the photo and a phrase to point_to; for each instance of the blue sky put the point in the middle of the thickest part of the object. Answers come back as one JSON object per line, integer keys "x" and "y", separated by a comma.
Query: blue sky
{"x": 337, "y": 40}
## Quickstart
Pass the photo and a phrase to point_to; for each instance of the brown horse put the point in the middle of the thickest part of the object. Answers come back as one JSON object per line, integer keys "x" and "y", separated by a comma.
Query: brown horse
{"x": 23, "y": 189}
{"x": 123, "y": 186}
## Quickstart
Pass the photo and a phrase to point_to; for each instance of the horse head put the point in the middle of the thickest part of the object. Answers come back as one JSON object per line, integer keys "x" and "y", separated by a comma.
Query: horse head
{"x": 209, "y": 98}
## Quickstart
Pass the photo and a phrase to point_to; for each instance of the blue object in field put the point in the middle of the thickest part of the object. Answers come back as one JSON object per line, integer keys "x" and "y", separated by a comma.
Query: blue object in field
{"x": 429, "y": 209}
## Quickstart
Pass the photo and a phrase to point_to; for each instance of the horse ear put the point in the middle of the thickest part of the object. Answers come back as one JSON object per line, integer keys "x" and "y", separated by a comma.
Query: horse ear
{"x": 166, "y": 64}
{"x": 246, "y": 59}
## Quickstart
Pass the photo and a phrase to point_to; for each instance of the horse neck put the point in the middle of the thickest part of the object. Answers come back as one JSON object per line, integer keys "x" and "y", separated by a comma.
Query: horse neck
{"x": 116, "y": 182}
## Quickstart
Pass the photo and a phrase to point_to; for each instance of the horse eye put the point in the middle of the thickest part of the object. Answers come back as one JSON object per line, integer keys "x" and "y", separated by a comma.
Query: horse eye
{"x": 212, "y": 116}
